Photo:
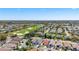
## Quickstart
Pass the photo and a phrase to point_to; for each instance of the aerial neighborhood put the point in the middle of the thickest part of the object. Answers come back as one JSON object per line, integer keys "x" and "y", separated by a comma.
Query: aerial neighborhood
{"x": 39, "y": 36}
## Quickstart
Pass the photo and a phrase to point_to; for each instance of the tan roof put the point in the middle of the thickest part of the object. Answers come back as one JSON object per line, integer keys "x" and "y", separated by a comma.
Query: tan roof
{"x": 9, "y": 45}
{"x": 67, "y": 43}
{"x": 34, "y": 49}
{"x": 5, "y": 49}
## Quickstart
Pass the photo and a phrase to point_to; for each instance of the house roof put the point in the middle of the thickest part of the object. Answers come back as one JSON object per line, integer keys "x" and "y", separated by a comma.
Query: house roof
{"x": 5, "y": 49}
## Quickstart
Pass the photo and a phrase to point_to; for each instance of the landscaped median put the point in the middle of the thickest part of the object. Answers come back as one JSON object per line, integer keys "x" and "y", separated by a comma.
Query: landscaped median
{"x": 27, "y": 30}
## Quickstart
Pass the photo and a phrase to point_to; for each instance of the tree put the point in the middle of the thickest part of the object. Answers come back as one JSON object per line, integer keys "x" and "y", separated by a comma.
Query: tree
{"x": 29, "y": 44}
{"x": 3, "y": 37}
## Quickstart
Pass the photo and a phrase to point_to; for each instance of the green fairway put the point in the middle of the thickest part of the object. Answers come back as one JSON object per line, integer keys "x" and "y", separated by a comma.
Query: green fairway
{"x": 27, "y": 30}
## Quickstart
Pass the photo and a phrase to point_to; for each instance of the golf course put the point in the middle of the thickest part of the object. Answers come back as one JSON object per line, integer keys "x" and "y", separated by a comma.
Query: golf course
{"x": 27, "y": 30}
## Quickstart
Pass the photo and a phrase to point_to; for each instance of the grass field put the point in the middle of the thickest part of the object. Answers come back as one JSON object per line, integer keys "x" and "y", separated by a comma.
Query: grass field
{"x": 27, "y": 30}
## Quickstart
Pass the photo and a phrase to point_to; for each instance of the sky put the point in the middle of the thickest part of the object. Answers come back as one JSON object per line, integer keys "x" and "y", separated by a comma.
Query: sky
{"x": 39, "y": 13}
